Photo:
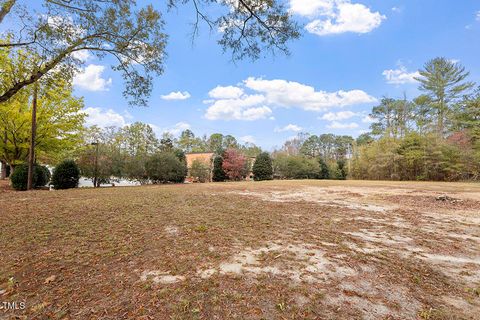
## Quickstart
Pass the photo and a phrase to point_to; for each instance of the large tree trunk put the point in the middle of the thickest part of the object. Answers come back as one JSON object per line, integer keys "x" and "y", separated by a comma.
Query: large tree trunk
{"x": 31, "y": 154}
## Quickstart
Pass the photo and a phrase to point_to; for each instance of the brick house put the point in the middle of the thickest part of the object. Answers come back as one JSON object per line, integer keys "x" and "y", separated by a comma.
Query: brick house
{"x": 204, "y": 157}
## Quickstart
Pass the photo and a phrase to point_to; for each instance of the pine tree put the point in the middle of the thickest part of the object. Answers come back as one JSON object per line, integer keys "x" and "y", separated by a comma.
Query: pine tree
{"x": 262, "y": 168}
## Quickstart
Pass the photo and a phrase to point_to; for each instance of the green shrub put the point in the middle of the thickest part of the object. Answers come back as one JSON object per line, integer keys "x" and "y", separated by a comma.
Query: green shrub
{"x": 262, "y": 168}
{"x": 341, "y": 170}
{"x": 66, "y": 175}
{"x": 19, "y": 177}
{"x": 165, "y": 167}
{"x": 218, "y": 175}
{"x": 200, "y": 171}
{"x": 324, "y": 171}
{"x": 295, "y": 167}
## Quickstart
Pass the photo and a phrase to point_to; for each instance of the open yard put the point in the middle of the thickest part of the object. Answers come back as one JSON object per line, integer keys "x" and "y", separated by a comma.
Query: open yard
{"x": 266, "y": 250}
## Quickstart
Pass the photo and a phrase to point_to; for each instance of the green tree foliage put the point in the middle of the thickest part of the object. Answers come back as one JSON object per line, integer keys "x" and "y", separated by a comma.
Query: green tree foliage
{"x": 200, "y": 171}
{"x": 218, "y": 174}
{"x": 341, "y": 173}
{"x": 295, "y": 167}
{"x": 60, "y": 31}
{"x": 364, "y": 139}
{"x": 41, "y": 176}
{"x": 59, "y": 120}
{"x": 311, "y": 147}
{"x": 433, "y": 138}
{"x": 165, "y": 167}
{"x": 215, "y": 143}
{"x": 66, "y": 175}
{"x": 392, "y": 117}
{"x": 263, "y": 168}
{"x": 324, "y": 170}
{"x": 443, "y": 82}
{"x": 250, "y": 150}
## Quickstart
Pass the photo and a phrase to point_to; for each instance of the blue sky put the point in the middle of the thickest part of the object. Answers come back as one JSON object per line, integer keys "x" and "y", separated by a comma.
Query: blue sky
{"x": 351, "y": 54}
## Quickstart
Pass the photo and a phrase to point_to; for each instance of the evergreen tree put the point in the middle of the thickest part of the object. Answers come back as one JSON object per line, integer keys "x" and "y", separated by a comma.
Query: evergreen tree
{"x": 262, "y": 168}
{"x": 218, "y": 173}
{"x": 443, "y": 81}
{"x": 324, "y": 171}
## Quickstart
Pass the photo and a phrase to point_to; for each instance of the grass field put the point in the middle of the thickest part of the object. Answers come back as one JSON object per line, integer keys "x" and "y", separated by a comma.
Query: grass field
{"x": 263, "y": 250}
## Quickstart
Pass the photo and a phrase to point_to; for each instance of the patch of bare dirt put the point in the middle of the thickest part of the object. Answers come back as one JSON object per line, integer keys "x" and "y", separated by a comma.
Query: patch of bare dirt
{"x": 270, "y": 250}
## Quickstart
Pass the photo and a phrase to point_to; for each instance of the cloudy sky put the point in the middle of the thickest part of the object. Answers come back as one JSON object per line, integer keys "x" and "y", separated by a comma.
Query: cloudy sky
{"x": 352, "y": 53}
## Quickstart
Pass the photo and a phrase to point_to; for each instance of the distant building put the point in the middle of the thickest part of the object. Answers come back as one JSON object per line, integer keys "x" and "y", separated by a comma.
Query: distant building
{"x": 207, "y": 158}
{"x": 204, "y": 157}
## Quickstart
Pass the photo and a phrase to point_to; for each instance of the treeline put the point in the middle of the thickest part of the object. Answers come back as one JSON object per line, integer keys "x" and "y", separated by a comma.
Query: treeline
{"x": 135, "y": 153}
{"x": 313, "y": 157}
{"x": 435, "y": 136}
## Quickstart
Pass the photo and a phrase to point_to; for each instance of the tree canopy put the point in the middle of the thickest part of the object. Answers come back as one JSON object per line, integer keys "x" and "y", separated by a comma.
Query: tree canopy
{"x": 59, "y": 32}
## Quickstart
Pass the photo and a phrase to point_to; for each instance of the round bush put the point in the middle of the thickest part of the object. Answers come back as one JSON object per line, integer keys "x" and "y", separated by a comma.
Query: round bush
{"x": 262, "y": 168}
{"x": 66, "y": 175}
{"x": 19, "y": 177}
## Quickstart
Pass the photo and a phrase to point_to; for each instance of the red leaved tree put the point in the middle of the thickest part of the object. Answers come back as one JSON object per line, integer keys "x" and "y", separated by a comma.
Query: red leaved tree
{"x": 234, "y": 164}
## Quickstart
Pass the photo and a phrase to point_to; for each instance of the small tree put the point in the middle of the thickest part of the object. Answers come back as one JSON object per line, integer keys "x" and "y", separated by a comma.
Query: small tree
{"x": 200, "y": 170}
{"x": 262, "y": 168}
{"x": 341, "y": 170}
{"x": 218, "y": 172}
{"x": 234, "y": 164}
{"x": 66, "y": 175}
{"x": 324, "y": 171}
{"x": 165, "y": 167}
{"x": 19, "y": 177}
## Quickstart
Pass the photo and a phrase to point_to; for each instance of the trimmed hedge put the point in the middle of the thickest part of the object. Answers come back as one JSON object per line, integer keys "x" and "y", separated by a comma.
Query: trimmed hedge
{"x": 19, "y": 177}
{"x": 66, "y": 175}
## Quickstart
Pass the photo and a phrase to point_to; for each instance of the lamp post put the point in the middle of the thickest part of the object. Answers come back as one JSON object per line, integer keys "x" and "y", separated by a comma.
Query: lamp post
{"x": 95, "y": 172}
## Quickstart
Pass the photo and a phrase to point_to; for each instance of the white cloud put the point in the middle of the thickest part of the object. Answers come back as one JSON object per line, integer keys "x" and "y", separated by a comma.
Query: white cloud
{"x": 341, "y": 115}
{"x": 289, "y": 127}
{"x": 267, "y": 94}
{"x": 293, "y": 94}
{"x": 477, "y": 17}
{"x": 101, "y": 118}
{"x": 91, "y": 79}
{"x": 178, "y": 128}
{"x": 400, "y": 75}
{"x": 229, "y": 92}
{"x": 244, "y": 108}
{"x": 336, "y": 16}
{"x": 368, "y": 119}
{"x": 311, "y": 8}
{"x": 176, "y": 95}
{"x": 247, "y": 139}
{"x": 82, "y": 55}
{"x": 340, "y": 125}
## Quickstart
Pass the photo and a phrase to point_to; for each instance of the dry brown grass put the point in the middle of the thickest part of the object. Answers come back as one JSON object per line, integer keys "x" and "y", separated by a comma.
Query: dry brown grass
{"x": 269, "y": 250}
